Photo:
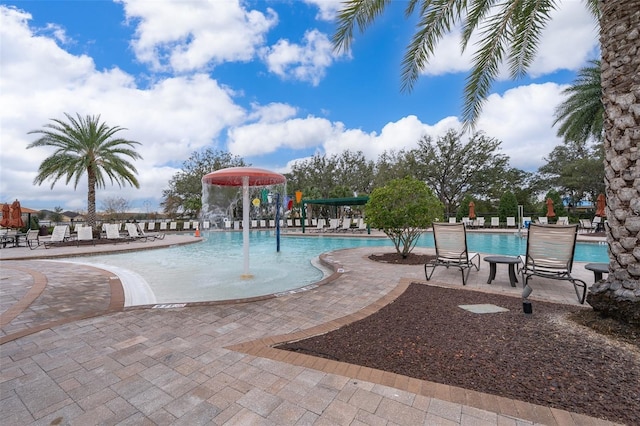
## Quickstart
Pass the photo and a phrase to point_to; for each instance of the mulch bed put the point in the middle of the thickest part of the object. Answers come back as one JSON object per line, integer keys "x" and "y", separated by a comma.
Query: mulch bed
{"x": 544, "y": 358}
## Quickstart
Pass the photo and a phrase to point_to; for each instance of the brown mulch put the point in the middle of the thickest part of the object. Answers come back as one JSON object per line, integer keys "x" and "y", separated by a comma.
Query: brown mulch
{"x": 546, "y": 358}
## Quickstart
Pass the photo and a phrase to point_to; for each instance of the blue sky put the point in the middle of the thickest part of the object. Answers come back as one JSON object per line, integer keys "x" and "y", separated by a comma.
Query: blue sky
{"x": 256, "y": 78}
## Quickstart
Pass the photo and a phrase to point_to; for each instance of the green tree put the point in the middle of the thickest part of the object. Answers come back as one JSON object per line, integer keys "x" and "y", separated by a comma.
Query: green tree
{"x": 324, "y": 173}
{"x": 454, "y": 168}
{"x": 85, "y": 145}
{"x": 403, "y": 209}
{"x": 581, "y": 115}
{"x": 575, "y": 169}
{"x": 508, "y": 206}
{"x": 510, "y": 31}
{"x": 184, "y": 194}
{"x": 56, "y": 216}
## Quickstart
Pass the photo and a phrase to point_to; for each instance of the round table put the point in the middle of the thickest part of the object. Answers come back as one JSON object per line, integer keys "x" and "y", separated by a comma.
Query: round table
{"x": 598, "y": 269}
{"x": 507, "y": 260}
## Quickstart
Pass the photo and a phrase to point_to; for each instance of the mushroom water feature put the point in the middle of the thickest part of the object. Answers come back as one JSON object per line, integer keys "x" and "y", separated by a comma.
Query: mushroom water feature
{"x": 245, "y": 177}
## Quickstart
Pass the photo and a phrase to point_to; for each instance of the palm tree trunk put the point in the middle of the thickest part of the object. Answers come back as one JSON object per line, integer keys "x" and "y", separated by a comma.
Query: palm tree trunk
{"x": 619, "y": 295}
{"x": 91, "y": 198}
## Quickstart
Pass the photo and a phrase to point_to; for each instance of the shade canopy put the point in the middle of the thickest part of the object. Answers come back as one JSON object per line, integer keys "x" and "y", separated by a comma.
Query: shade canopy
{"x": 233, "y": 176}
{"x": 349, "y": 201}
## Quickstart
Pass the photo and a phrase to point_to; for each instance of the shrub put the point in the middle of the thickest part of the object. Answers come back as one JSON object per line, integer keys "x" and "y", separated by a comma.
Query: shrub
{"x": 403, "y": 209}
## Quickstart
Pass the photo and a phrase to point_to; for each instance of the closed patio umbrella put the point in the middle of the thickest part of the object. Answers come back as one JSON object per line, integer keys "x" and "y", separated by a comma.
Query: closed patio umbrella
{"x": 16, "y": 215}
{"x": 472, "y": 210}
{"x": 600, "y": 205}
{"x": 6, "y": 216}
{"x": 550, "y": 212}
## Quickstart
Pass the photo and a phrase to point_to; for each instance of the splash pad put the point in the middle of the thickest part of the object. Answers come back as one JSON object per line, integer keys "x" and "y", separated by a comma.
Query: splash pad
{"x": 245, "y": 177}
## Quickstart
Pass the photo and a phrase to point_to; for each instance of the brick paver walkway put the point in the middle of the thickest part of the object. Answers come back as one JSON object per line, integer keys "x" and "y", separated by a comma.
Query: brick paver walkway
{"x": 93, "y": 363}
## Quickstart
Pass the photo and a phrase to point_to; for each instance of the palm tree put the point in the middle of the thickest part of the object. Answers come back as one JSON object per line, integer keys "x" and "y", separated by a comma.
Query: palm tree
{"x": 510, "y": 31}
{"x": 581, "y": 115}
{"x": 85, "y": 145}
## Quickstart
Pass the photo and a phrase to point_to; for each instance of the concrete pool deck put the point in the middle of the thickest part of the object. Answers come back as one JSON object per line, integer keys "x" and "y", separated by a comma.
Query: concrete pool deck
{"x": 71, "y": 354}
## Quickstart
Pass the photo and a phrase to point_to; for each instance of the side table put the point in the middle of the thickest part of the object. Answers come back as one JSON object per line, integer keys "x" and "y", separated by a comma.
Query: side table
{"x": 598, "y": 269}
{"x": 512, "y": 261}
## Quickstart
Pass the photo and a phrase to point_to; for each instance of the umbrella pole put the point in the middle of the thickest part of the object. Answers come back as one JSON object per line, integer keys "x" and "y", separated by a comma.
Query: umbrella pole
{"x": 245, "y": 226}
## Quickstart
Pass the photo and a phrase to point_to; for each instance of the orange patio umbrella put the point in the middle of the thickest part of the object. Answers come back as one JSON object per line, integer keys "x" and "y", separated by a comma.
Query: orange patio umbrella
{"x": 16, "y": 215}
{"x": 472, "y": 210}
{"x": 6, "y": 216}
{"x": 600, "y": 205}
{"x": 550, "y": 212}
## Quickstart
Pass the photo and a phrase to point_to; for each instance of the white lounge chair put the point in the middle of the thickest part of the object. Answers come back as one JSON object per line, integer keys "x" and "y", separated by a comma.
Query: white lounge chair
{"x": 163, "y": 226}
{"x": 206, "y": 224}
{"x": 346, "y": 224}
{"x": 113, "y": 233}
{"x": 526, "y": 219}
{"x": 511, "y": 222}
{"x": 59, "y": 235}
{"x": 263, "y": 224}
{"x": 85, "y": 235}
{"x": 479, "y": 222}
{"x": 320, "y": 225}
{"x": 495, "y": 222}
{"x": 451, "y": 250}
{"x": 151, "y": 226}
{"x": 542, "y": 220}
{"x": 186, "y": 225}
{"x": 550, "y": 251}
{"x": 173, "y": 226}
{"x": 227, "y": 224}
{"x": 133, "y": 233}
{"x": 452, "y": 220}
{"x": 563, "y": 220}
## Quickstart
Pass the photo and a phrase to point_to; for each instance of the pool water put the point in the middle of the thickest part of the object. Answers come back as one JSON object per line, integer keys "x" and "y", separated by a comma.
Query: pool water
{"x": 212, "y": 270}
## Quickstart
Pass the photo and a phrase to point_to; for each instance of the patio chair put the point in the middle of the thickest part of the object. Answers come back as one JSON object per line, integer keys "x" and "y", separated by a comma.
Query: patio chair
{"x": 495, "y": 222}
{"x": 511, "y": 222}
{"x": 163, "y": 226}
{"x": 563, "y": 220}
{"x": 33, "y": 239}
{"x": 451, "y": 250}
{"x": 550, "y": 250}
{"x": 479, "y": 222}
{"x": 113, "y": 233}
{"x": 586, "y": 225}
{"x": 452, "y": 220}
{"x": 59, "y": 235}
{"x": 173, "y": 226}
{"x": 134, "y": 234}
{"x": 85, "y": 235}
{"x": 543, "y": 220}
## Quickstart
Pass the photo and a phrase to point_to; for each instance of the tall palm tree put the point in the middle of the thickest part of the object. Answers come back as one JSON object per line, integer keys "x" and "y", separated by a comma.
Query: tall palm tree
{"x": 581, "y": 115}
{"x": 510, "y": 31}
{"x": 85, "y": 145}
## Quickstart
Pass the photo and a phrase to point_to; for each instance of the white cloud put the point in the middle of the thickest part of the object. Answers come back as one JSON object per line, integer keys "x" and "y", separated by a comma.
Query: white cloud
{"x": 191, "y": 35}
{"x": 40, "y": 81}
{"x": 304, "y": 62}
{"x": 522, "y": 119}
{"x": 327, "y": 9}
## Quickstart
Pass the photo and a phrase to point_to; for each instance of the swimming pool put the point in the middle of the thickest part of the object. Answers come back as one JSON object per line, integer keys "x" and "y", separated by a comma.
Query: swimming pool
{"x": 212, "y": 270}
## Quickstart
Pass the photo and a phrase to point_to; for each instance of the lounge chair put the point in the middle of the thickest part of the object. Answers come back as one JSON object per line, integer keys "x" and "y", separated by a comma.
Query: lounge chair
{"x": 511, "y": 222}
{"x": 227, "y": 224}
{"x": 334, "y": 224}
{"x": 289, "y": 223}
{"x": 113, "y": 233}
{"x": 550, "y": 250}
{"x": 263, "y": 223}
{"x": 542, "y": 220}
{"x": 452, "y": 220}
{"x": 525, "y": 220}
{"x": 586, "y": 225}
{"x": 206, "y": 224}
{"x": 185, "y": 225}
{"x": 134, "y": 234}
{"x": 59, "y": 235}
{"x": 151, "y": 226}
{"x": 85, "y": 235}
{"x": 495, "y": 222}
{"x": 479, "y": 222}
{"x": 152, "y": 236}
{"x": 346, "y": 224}
{"x": 320, "y": 225}
{"x": 362, "y": 226}
{"x": 563, "y": 220}
{"x": 451, "y": 250}
{"x": 236, "y": 224}
{"x": 33, "y": 239}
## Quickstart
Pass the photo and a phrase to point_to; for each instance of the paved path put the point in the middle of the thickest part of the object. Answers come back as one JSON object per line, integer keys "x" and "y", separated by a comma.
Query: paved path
{"x": 91, "y": 362}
